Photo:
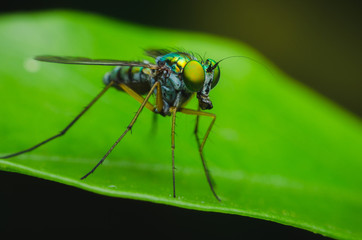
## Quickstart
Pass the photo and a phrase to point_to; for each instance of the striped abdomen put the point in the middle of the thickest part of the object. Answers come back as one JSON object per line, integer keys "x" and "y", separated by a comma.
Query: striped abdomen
{"x": 137, "y": 78}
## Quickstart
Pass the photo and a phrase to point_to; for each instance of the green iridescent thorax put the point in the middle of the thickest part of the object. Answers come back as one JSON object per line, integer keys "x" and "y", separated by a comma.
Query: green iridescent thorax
{"x": 176, "y": 61}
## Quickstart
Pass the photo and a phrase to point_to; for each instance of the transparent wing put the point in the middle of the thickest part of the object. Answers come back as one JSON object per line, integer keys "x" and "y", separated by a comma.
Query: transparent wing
{"x": 160, "y": 52}
{"x": 88, "y": 61}
{"x": 157, "y": 52}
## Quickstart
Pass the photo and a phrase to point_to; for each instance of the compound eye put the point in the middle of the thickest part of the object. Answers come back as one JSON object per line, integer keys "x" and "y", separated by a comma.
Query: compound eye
{"x": 194, "y": 75}
{"x": 216, "y": 77}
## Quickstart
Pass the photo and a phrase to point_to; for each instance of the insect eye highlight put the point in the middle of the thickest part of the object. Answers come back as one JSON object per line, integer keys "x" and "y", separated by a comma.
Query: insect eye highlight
{"x": 194, "y": 75}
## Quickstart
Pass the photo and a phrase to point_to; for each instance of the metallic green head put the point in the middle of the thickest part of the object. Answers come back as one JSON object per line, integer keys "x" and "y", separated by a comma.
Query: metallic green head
{"x": 201, "y": 77}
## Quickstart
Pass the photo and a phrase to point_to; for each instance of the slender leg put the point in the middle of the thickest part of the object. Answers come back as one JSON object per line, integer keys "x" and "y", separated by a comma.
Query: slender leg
{"x": 140, "y": 99}
{"x": 173, "y": 111}
{"x": 149, "y": 106}
{"x": 136, "y": 96}
{"x": 201, "y": 146}
{"x": 144, "y": 103}
{"x": 65, "y": 129}
{"x": 196, "y": 130}
{"x": 159, "y": 101}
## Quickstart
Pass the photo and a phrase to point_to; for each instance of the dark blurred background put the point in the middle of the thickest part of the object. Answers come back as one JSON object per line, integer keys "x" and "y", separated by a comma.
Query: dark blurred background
{"x": 316, "y": 42}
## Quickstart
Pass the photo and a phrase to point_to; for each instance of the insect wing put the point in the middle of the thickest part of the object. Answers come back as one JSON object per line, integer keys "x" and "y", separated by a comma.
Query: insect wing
{"x": 88, "y": 61}
{"x": 156, "y": 52}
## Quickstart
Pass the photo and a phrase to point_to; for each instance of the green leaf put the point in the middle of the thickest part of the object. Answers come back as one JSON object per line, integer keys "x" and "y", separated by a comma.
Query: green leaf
{"x": 278, "y": 151}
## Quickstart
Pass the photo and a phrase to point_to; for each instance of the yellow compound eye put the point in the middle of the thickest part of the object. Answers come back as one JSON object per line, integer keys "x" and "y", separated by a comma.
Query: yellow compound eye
{"x": 194, "y": 76}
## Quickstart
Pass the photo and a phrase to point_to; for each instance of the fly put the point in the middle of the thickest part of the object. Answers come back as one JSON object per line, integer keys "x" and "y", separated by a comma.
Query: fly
{"x": 173, "y": 80}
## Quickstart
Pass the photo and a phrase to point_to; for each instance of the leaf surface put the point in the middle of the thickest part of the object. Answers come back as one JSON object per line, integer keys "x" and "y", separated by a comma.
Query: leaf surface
{"x": 278, "y": 151}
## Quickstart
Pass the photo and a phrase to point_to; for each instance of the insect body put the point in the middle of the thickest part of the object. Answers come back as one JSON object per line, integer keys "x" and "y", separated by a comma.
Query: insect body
{"x": 177, "y": 84}
{"x": 174, "y": 79}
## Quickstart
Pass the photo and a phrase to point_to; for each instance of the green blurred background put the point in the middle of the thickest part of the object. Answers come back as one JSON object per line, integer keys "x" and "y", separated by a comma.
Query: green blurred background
{"x": 316, "y": 42}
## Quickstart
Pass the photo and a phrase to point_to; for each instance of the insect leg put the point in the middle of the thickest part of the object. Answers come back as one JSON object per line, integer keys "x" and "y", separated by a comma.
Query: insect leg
{"x": 65, "y": 129}
{"x": 196, "y": 130}
{"x": 173, "y": 111}
{"x": 199, "y": 113}
{"x": 159, "y": 101}
{"x": 136, "y": 96}
{"x": 159, "y": 107}
{"x": 145, "y": 103}
{"x": 140, "y": 99}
